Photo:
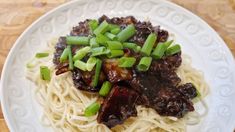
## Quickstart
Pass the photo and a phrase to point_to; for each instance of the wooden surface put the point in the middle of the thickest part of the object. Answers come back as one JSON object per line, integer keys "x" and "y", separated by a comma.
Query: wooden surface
{"x": 16, "y": 15}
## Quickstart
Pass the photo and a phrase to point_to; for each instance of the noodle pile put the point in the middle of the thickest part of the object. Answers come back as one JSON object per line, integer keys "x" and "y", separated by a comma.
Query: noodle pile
{"x": 64, "y": 105}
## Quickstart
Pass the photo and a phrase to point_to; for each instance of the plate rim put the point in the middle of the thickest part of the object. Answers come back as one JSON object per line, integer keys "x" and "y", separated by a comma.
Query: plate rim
{"x": 65, "y": 5}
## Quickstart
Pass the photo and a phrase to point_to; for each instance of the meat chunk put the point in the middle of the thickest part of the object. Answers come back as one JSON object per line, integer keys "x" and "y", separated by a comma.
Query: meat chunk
{"x": 118, "y": 106}
{"x": 188, "y": 90}
{"x": 83, "y": 80}
{"x": 166, "y": 100}
{"x": 114, "y": 73}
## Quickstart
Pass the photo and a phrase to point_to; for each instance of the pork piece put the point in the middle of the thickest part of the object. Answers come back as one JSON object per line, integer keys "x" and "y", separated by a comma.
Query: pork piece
{"x": 118, "y": 106}
{"x": 115, "y": 73}
{"x": 188, "y": 90}
{"x": 62, "y": 68}
{"x": 165, "y": 99}
{"x": 83, "y": 80}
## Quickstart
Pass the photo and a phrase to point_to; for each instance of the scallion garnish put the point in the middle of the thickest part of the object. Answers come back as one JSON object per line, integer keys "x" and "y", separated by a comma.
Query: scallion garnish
{"x": 80, "y": 65}
{"x": 41, "y": 55}
{"x": 126, "y": 61}
{"x": 125, "y": 34}
{"x": 64, "y": 55}
{"x": 132, "y": 46}
{"x": 113, "y": 26}
{"x": 70, "y": 58}
{"x": 81, "y": 53}
{"x": 160, "y": 49}
{"x": 114, "y": 45}
{"x": 110, "y": 35}
{"x": 115, "y": 53}
{"x": 105, "y": 89}
{"x": 93, "y": 24}
{"x": 97, "y": 73}
{"x": 77, "y": 40}
{"x": 45, "y": 73}
{"x": 115, "y": 31}
{"x": 102, "y": 28}
{"x": 144, "y": 64}
{"x": 93, "y": 43}
{"x": 148, "y": 44}
{"x": 102, "y": 39}
{"x": 99, "y": 51}
{"x": 92, "y": 109}
{"x": 90, "y": 63}
{"x": 173, "y": 50}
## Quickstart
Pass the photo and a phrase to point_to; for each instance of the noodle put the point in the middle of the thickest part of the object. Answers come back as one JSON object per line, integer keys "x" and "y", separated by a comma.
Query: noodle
{"x": 64, "y": 105}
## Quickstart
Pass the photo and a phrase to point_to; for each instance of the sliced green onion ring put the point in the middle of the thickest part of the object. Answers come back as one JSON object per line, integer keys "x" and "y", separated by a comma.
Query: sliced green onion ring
{"x": 41, "y": 55}
{"x": 81, "y": 53}
{"x": 97, "y": 72}
{"x": 114, "y": 45}
{"x": 126, "y": 61}
{"x": 144, "y": 64}
{"x": 102, "y": 28}
{"x": 173, "y": 49}
{"x": 92, "y": 109}
{"x": 148, "y": 44}
{"x": 70, "y": 58}
{"x": 126, "y": 33}
{"x": 115, "y": 53}
{"x": 80, "y": 65}
{"x": 93, "y": 24}
{"x": 110, "y": 35}
{"x": 105, "y": 89}
{"x": 77, "y": 40}
{"x": 45, "y": 73}
{"x": 93, "y": 43}
{"x": 91, "y": 63}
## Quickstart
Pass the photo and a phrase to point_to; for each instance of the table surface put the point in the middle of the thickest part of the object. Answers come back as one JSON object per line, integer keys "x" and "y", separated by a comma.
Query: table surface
{"x": 15, "y": 16}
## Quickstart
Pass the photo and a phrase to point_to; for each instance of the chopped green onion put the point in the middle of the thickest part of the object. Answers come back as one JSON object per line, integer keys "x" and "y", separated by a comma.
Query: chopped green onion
{"x": 102, "y": 28}
{"x": 80, "y": 65}
{"x": 77, "y": 40}
{"x": 92, "y": 109}
{"x": 148, "y": 44}
{"x": 110, "y": 35}
{"x": 126, "y": 61}
{"x": 160, "y": 49}
{"x": 115, "y": 53}
{"x": 125, "y": 34}
{"x": 113, "y": 26}
{"x": 105, "y": 89}
{"x": 99, "y": 51}
{"x": 129, "y": 45}
{"x": 93, "y": 43}
{"x": 93, "y": 24}
{"x": 114, "y": 45}
{"x": 115, "y": 31}
{"x": 41, "y": 55}
{"x": 70, "y": 58}
{"x": 138, "y": 48}
{"x": 132, "y": 46}
{"x": 102, "y": 39}
{"x": 97, "y": 72}
{"x": 64, "y": 55}
{"x": 144, "y": 63}
{"x": 90, "y": 63}
{"x": 81, "y": 53}
{"x": 173, "y": 50}
{"x": 45, "y": 73}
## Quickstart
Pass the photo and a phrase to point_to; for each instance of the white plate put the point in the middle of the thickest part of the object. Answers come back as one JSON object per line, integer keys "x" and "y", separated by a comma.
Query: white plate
{"x": 209, "y": 54}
